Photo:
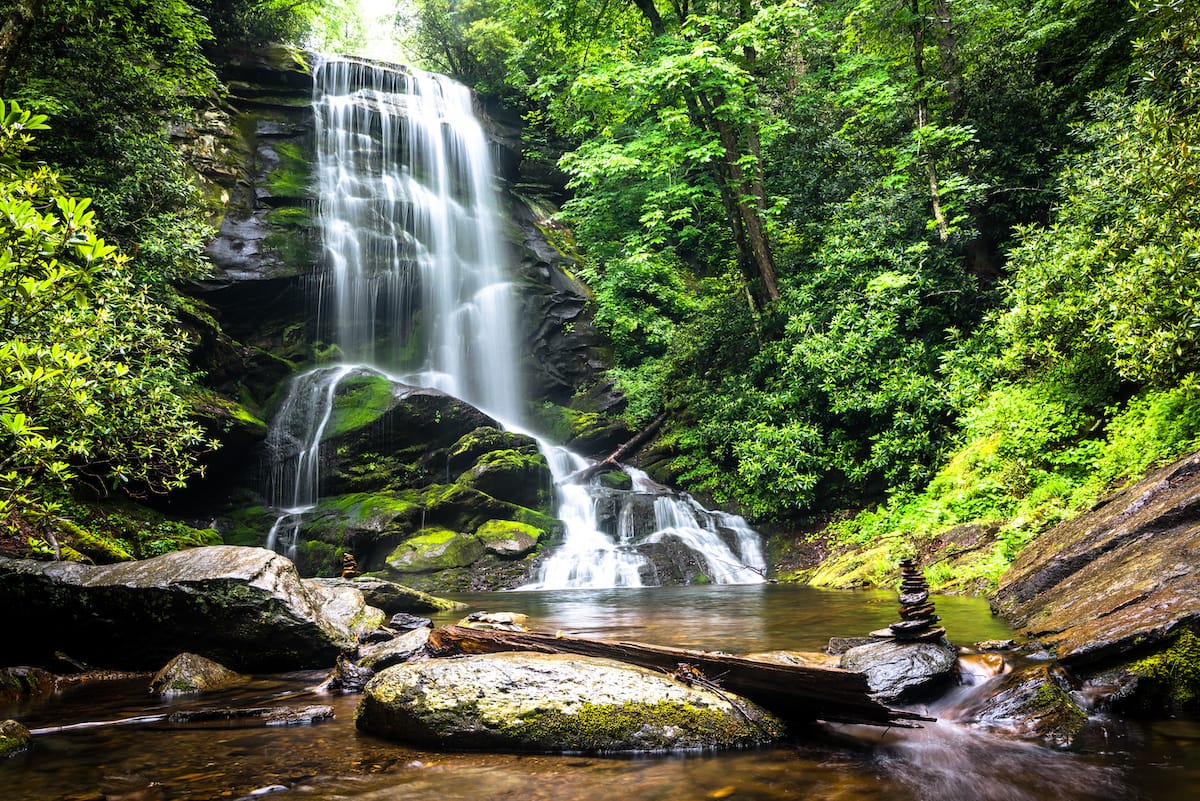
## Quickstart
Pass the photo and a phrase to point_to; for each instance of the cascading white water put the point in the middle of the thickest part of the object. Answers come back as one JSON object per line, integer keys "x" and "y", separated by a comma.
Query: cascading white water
{"x": 648, "y": 514}
{"x": 421, "y": 294}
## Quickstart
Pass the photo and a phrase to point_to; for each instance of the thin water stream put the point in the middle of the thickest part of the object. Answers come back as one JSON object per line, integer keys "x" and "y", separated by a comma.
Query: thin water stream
{"x": 331, "y": 761}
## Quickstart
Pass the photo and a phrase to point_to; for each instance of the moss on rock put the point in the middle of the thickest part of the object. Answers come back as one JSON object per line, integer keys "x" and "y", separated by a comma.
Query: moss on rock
{"x": 1172, "y": 676}
{"x": 509, "y": 539}
{"x": 434, "y": 550}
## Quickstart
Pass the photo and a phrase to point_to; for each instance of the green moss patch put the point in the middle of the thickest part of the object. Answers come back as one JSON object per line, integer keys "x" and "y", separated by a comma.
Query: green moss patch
{"x": 661, "y": 726}
{"x": 435, "y": 550}
{"x": 1174, "y": 673}
{"x": 360, "y": 400}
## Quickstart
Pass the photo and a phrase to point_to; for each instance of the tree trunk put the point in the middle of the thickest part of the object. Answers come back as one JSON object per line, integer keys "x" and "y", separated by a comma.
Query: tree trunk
{"x": 935, "y": 194}
{"x": 793, "y": 692}
{"x": 13, "y": 34}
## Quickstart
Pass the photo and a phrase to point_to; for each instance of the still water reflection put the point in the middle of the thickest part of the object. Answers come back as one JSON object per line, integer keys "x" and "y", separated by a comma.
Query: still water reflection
{"x": 331, "y": 760}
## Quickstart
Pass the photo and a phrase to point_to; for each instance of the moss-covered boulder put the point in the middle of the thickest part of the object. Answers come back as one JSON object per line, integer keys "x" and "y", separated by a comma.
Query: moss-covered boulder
{"x": 19, "y": 683}
{"x": 192, "y": 673}
{"x": 14, "y": 738}
{"x": 554, "y": 703}
{"x": 521, "y": 477}
{"x": 434, "y": 550}
{"x": 509, "y": 539}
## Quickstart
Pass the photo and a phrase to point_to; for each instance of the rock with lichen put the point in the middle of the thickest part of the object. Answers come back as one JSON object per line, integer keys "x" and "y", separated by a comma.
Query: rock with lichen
{"x": 14, "y": 738}
{"x": 555, "y": 703}
{"x": 192, "y": 673}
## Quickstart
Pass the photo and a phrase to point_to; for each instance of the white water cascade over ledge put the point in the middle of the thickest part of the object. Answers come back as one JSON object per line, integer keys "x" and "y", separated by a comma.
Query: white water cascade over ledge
{"x": 410, "y": 222}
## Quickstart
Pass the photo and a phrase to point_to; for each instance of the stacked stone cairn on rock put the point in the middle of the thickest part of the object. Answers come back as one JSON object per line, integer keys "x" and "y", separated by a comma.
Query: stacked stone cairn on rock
{"x": 917, "y": 621}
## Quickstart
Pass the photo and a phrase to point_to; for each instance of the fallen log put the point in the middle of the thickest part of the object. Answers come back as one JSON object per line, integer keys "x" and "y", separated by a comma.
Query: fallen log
{"x": 613, "y": 460}
{"x": 793, "y": 692}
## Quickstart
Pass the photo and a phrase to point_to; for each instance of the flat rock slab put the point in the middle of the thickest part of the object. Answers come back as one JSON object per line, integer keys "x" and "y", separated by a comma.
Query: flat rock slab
{"x": 1122, "y": 576}
{"x": 903, "y": 671}
{"x": 555, "y": 703}
{"x": 247, "y": 608}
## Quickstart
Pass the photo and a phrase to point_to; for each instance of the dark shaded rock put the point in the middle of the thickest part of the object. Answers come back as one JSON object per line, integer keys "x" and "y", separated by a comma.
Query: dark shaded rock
{"x": 346, "y": 677}
{"x": 406, "y": 622}
{"x": 391, "y": 597}
{"x": 1034, "y": 702}
{"x": 18, "y": 683}
{"x": 14, "y": 738}
{"x": 192, "y": 673}
{"x": 402, "y": 648}
{"x": 900, "y": 671}
{"x": 1117, "y": 580}
{"x": 554, "y": 703}
{"x": 246, "y": 607}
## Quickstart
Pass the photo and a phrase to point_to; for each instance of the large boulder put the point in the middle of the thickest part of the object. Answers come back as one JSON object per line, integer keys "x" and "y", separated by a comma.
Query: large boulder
{"x": 1117, "y": 582}
{"x": 554, "y": 703}
{"x": 903, "y": 671}
{"x": 245, "y": 607}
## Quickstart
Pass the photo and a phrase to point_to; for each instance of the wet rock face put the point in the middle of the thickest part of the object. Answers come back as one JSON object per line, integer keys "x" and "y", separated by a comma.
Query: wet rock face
{"x": 553, "y": 703}
{"x": 1116, "y": 582}
{"x": 246, "y": 607}
{"x": 903, "y": 671}
{"x": 1034, "y": 702}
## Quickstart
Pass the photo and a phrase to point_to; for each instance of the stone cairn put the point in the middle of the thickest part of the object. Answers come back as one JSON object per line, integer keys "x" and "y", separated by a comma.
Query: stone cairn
{"x": 349, "y": 566}
{"x": 917, "y": 620}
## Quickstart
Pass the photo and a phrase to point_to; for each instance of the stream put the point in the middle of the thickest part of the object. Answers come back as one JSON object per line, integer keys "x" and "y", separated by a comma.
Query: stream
{"x": 331, "y": 760}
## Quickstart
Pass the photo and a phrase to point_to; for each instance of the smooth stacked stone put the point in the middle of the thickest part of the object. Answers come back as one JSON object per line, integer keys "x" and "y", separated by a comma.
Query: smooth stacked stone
{"x": 917, "y": 618}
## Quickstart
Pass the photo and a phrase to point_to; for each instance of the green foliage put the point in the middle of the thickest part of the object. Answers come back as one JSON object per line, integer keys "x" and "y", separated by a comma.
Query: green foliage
{"x": 92, "y": 378}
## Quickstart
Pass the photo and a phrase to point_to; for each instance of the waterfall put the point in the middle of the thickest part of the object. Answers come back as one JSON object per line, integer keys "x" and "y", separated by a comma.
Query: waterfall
{"x": 421, "y": 295}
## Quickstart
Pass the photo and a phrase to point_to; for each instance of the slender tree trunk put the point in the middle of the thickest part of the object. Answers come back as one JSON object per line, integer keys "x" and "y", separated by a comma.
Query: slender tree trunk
{"x": 948, "y": 54}
{"x": 650, "y": 12}
{"x": 939, "y": 215}
{"x": 13, "y": 34}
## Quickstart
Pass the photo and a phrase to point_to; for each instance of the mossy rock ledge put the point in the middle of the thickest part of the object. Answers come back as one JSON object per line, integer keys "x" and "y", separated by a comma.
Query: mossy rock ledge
{"x": 554, "y": 703}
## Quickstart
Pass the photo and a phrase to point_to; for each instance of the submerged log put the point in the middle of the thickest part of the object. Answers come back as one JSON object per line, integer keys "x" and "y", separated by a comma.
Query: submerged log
{"x": 793, "y": 692}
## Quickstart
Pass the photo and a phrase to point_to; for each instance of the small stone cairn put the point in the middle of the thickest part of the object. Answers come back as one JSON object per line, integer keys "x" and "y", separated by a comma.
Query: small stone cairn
{"x": 917, "y": 620}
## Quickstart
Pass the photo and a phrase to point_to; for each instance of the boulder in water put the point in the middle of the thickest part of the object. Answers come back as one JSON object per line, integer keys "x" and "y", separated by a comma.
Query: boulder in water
{"x": 903, "y": 671}
{"x": 246, "y": 607}
{"x": 555, "y": 703}
{"x": 401, "y": 648}
{"x": 14, "y": 738}
{"x": 192, "y": 673}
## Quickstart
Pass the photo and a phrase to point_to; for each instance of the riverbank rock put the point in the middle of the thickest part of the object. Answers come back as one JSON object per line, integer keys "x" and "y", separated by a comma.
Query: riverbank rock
{"x": 245, "y": 607}
{"x": 1118, "y": 584}
{"x": 19, "y": 683}
{"x": 400, "y": 648}
{"x": 554, "y": 703}
{"x": 14, "y": 738}
{"x": 1034, "y": 702}
{"x": 903, "y": 671}
{"x": 192, "y": 673}
{"x": 391, "y": 597}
